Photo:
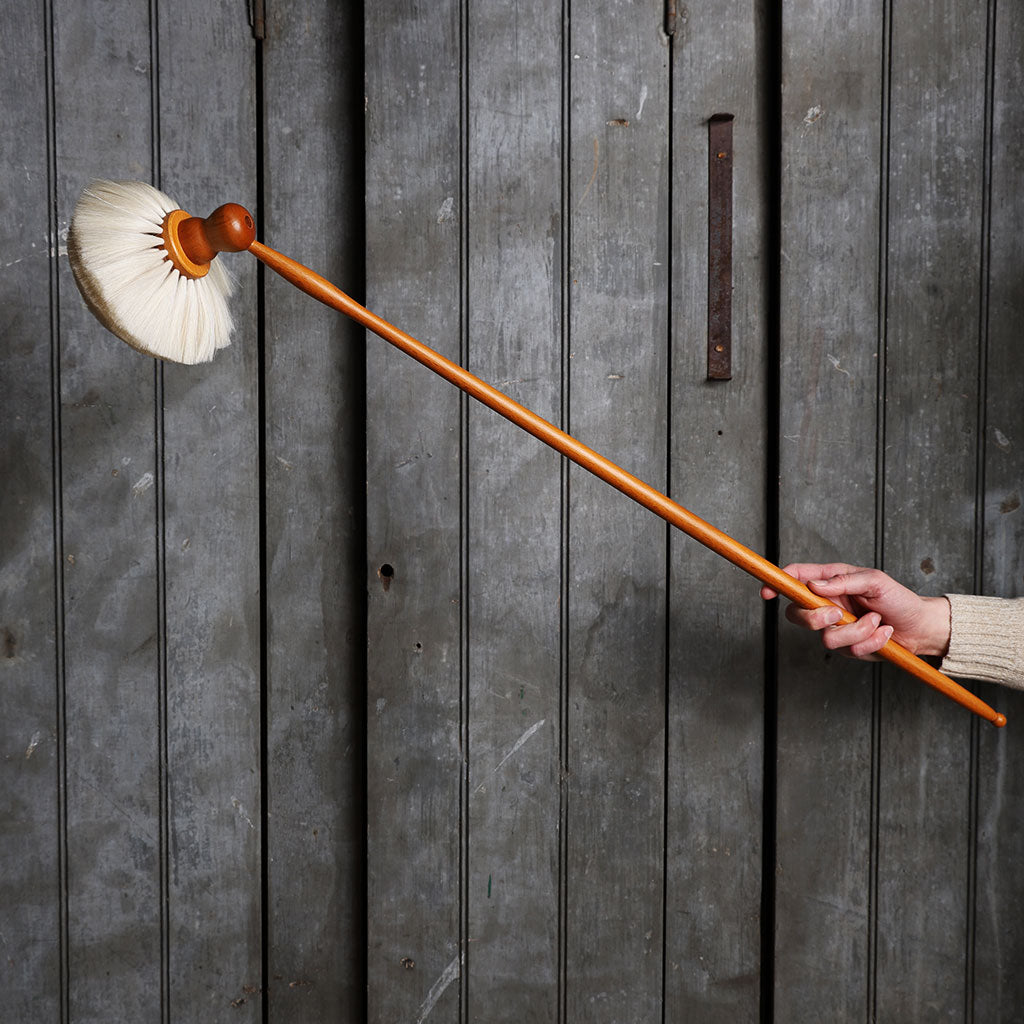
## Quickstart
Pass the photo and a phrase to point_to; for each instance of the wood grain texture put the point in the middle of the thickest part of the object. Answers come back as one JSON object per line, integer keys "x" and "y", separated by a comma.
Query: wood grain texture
{"x": 514, "y": 280}
{"x": 116, "y": 862}
{"x": 716, "y": 667}
{"x": 909, "y": 789}
{"x": 139, "y": 892}
{"x": 31, "y": 972}
{"x": 999, "y": 895}
{"x": 315, "y": 483}
{"x": 209, "y": 446}
{"x": 829, "y": 392}
{"x": 935, "y": 187}
{"x": 415, "y": 729}
{"x": 618, "y": 328}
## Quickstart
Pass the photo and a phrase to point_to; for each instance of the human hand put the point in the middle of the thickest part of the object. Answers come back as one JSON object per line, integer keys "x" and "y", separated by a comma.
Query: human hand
{"x": 885, "y": 609}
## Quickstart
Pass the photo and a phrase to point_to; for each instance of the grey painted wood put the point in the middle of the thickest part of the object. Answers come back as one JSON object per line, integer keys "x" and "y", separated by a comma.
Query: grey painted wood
{"x": 30, "y": 820}
{"x": 560, "y": 899}
{"x": 829, "y": 269}
{"x": 1003, "y": 562}
{"x": 618, "y": 308}
{"x": 999, "y": 936}
{"x": 211, "y": 550}
{"x": 892, "y": 845}
{"x": 718, "y": 469}
{"x": 415, "y": 725}
{"x": 515, "y": 274}
{"x": 930, "y": 432}
{"x": 148, "y": 635}
{"x": 116, "y": 840}
{"x": 315, "y": 482}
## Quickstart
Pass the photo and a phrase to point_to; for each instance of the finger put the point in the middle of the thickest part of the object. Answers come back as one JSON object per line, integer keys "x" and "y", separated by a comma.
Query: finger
{"x": 806, "y": 571}
{"x": 814, "y": 618}
{"x": 874, "y": 643}
{"x": 856, "y": 583}
{"x": 851, "y": 634}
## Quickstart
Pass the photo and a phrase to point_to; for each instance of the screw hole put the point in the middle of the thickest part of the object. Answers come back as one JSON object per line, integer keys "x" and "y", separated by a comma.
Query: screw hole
{"x": 386, "y": 573}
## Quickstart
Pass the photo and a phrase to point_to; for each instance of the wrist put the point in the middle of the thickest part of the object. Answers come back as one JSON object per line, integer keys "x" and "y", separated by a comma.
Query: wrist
{"x": 935, "y": 627}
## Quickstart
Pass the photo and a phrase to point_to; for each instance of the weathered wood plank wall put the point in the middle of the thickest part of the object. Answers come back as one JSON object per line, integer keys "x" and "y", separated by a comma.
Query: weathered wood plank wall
{"x": 828, "y": 470}
{"x": 885, "y": 262}
{"x": 30, "y": 856}
{"x": 182, "y": 768}
{"x": 542, "y": 672}
{"x": 718, "y": 467}
{"x": 513, "y": 496}
{"x": 998, "y": 936}
{"x": 586, "y": 788}
{"x": 615, "y": 216}
{"x": 897, "y": 375}
{"x": 314, "y": 436}
{"x": 414, "y": 504}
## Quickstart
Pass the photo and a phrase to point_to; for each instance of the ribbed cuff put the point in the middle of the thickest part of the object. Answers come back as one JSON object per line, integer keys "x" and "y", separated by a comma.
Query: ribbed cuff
{"x": 986, "y": 639}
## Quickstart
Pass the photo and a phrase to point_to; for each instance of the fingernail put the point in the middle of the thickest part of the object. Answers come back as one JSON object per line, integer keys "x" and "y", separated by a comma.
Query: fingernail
{"x": 832, "y": 616}
{"x": 888, "y": 632}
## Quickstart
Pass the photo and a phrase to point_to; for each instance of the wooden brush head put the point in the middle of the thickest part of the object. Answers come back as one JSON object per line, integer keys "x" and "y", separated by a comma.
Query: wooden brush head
{"x": 193, "y": 242}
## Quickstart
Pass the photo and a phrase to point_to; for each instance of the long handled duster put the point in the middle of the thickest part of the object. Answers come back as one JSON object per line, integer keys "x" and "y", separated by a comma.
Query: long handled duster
{"x": 146, "y": 269}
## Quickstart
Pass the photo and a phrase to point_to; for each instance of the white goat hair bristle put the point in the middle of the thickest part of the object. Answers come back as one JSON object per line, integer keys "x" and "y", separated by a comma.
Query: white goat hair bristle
{"x": 117, "y": 255}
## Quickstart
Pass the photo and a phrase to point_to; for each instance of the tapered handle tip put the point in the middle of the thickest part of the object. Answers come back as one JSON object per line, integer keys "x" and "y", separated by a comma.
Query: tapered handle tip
{"x": 999, "y": 721}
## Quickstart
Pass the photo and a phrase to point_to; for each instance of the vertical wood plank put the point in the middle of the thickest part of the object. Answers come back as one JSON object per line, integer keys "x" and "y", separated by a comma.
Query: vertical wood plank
{"x": 103, "y": 97}
{"x": 999, "y": 904}
{"x": 30, "y": 761}
{"x": 211, "y": 554}
{"x": 1003, "y": 562}
{"x": 315, "y": 479}
{"x": 832, "y": 95}
{"x": 930, "y": 433}
{"x": 617, "y": 551}
{"x": 514, "y": 504}
{"x": 415, "y": 679}
{"x": 716, "y": 695}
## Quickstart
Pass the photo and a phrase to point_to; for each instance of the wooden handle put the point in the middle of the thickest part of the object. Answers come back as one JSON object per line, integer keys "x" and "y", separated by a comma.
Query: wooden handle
{"x": 672, "y": 512}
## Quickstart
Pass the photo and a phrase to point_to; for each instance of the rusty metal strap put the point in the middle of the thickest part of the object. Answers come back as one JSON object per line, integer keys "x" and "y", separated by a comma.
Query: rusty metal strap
{"x": 720, "y": 247}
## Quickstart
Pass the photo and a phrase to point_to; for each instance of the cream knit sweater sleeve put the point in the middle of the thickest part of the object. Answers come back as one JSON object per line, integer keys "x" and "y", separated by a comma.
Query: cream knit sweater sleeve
{"x": 986, "y": 639}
